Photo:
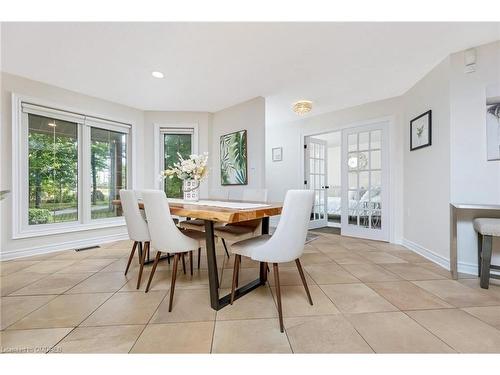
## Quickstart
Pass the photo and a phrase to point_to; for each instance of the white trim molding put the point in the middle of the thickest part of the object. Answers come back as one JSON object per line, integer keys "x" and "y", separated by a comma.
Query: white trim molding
{"x": 61, "y": 246}
{"x": 426, "y": 253}
{"x": 463, "y": 267}
{"x": 160, "y": 128}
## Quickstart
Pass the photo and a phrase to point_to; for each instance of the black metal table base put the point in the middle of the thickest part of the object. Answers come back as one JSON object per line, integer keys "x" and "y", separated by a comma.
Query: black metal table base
{"x": 217, "y": 302}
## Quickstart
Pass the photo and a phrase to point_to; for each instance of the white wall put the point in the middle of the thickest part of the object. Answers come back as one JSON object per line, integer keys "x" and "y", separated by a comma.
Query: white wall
{"x": 287, "y": 174}
{"x": 426, "y": 184}
{"x": 334, "y": 166}
{"x": 453, "y": 169}
{"x": 249, "y": 115}
{"x": 473, "y": 178}
{"x": 87, "y": 105}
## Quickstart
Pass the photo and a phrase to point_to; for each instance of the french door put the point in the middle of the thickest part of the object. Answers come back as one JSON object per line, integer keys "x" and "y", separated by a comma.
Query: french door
{"x": 365, "y": 182}
{"x": 315, "y": 157}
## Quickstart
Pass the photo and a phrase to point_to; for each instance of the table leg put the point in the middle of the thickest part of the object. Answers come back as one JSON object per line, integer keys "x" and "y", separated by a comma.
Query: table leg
{"x": 263, "y": 265}
{"x": 453, "y": 243}
{"x": 213, "y": 276}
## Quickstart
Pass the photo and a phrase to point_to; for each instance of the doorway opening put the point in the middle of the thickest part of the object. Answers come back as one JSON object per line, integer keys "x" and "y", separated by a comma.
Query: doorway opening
{"x": 347, "y": 169}
{"x": 325, "y": 154}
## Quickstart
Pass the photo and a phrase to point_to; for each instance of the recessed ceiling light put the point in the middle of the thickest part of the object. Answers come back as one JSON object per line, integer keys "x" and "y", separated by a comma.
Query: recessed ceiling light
{"x": 302, "y": 106}
{"x": 157, "y": 74}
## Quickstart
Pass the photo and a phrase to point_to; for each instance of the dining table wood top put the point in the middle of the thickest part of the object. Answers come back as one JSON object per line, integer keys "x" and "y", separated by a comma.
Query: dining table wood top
{"x": 220, "y": 214}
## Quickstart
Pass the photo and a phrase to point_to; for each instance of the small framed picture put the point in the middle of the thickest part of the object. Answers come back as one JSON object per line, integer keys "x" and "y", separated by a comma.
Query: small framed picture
{"x": 277, "y": 153}
{"x": 421, "y": 131}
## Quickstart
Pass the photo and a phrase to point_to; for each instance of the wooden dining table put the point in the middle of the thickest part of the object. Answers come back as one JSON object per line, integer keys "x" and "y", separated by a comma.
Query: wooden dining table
{"x": 212, "y": 214}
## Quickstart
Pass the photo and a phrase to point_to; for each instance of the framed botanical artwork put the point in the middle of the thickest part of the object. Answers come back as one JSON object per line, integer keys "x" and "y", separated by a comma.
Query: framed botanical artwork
{"x": 421, "y": 131}
{"x": 277, "y": 153}
{"x": 233, "y": 158}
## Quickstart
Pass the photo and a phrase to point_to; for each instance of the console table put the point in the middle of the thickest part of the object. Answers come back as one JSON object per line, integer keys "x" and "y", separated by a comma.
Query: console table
{"x": 455, "y": 208}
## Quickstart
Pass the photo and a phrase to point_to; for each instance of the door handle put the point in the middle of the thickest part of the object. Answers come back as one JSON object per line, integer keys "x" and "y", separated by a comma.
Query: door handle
{"x": 325, "y": 187}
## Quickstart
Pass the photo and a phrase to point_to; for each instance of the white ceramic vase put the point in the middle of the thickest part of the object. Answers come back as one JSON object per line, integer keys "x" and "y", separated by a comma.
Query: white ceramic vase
{"x": 191, "y": 190}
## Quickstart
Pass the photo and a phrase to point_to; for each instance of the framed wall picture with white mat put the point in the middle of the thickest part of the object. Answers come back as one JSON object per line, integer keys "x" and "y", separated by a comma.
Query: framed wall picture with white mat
{"x": 421, "y": 131}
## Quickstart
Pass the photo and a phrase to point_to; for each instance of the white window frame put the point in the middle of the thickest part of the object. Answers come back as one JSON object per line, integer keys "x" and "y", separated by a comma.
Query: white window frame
{"x": 159, "y": 131}
{"x": 20, "y": 181}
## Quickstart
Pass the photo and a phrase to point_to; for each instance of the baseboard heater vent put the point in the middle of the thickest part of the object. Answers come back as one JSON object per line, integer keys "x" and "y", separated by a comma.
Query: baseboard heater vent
{"x": 87, "y": 248}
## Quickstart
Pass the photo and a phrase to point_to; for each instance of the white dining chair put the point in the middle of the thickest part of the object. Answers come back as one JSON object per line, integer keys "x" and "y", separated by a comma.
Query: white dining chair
{"x": 245, "y": 229}
{"x": 137, "y": 229}
{"x": 254, "y": 195}
{"x": 166, "y": 236}
{"x": 235, "y": 194}
{"x": 219, "y": 194}
{"x": 285, "y": 245}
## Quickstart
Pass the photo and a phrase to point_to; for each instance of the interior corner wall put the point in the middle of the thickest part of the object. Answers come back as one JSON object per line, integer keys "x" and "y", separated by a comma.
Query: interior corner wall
{"x": 474, "y": 179}
{"x": 9, "y": 247}
{"x": 249, "y": 116}
{"x": 426, "y": 178}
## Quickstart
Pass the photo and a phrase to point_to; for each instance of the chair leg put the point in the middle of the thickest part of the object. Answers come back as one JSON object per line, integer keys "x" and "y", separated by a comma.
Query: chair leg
{"x": 236, "y": 270}
{"x": 225, "y": 247}
{"x": 278, "y": 294}
{"x": 131, "y": 256}
{"x": 153, "y": 270}
{"x": 172, "y": 284}
{"x": 191, "y": 262}
{"x": 141, "y": 267}
{"x": 183, "y": 264}
{"x": 304, "y": 282}
{"x": 486, "y": 261}
{"x": 199, "y": 257}
{"x": 139, "y": 251}
{"x": 479, "y": 251}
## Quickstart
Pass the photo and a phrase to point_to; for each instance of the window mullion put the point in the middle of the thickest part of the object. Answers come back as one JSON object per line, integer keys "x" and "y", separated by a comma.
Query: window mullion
{"x": 84, "y": 174}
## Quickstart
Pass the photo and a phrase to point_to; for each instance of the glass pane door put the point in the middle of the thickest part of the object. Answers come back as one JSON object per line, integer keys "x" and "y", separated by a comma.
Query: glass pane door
{"x": 365, "y": 190}
{"x": 315, "y": 172}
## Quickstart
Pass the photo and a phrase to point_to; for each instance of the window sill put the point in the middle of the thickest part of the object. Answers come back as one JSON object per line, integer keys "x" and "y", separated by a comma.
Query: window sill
{"x": 54, "y": 229}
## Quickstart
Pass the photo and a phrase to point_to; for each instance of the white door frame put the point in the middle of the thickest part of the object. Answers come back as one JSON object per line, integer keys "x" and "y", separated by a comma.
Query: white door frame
{"x": 317, "y": 222}
{"x": 391, "y": 134}
{"x": 382, "y": 234}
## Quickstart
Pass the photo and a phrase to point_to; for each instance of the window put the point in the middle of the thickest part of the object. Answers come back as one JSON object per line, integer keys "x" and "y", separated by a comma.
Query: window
{"x": 67, "y": 170}
{"x": 175, "y": 142}
{"x": 108, "y": 170}
{"x": 52, "y": 170}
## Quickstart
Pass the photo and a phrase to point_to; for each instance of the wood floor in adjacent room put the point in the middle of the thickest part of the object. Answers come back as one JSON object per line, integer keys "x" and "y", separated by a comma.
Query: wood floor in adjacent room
{"x": 368, "y": 297}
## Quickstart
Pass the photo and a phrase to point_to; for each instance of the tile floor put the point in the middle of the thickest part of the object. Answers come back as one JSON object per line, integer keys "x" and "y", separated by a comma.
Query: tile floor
{"x": 368, "y": 297}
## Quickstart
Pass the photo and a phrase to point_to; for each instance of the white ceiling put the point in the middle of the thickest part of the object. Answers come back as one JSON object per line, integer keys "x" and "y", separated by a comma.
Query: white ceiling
{"x": 210, "y": 66}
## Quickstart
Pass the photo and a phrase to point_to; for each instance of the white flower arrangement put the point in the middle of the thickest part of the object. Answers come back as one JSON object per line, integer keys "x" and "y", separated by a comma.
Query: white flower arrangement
{"x": 194, "y": 168}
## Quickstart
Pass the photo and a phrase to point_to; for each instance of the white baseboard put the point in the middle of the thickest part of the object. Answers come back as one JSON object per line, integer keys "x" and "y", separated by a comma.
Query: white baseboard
{"x": 444, "y": 262}
{"x": 68, "y": 245}
{"x": 426, "y": 253}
